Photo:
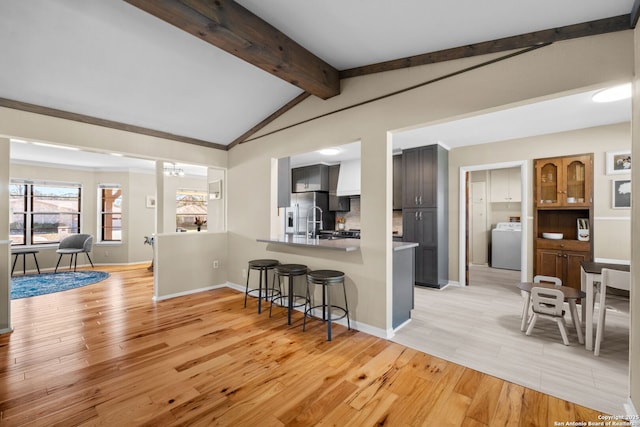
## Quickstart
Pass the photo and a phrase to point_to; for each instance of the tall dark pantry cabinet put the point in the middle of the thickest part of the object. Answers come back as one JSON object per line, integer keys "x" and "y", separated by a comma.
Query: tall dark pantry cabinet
{"x": 425, "y": 212}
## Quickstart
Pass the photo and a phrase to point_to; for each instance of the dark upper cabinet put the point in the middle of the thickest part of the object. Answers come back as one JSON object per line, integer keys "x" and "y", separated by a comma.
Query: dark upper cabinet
{"x": 397, "y": 182}
{"x": 339, "y": 204}
{"x": 310, "y": 178}
{"x": 420, "y": 176}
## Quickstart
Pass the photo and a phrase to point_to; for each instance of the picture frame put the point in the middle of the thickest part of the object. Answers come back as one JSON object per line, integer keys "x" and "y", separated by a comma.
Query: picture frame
{"x": 621, "y": 194}
{"x": 618, "y": 162}
{"x": 151, "y": 201}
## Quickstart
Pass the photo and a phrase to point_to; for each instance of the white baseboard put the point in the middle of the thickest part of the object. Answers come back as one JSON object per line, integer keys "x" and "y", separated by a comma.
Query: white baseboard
{"x": 632, "y": 413}
{"x": 359, "y": 326}
{"x": 6, "y": 331}
{"x": 189, "y": 292}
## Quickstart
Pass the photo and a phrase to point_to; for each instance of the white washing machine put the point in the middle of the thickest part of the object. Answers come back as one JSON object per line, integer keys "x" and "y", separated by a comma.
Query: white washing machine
{"x": 506, "y": 245}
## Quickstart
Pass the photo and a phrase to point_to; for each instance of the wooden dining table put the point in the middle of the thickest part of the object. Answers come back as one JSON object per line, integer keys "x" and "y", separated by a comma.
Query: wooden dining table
{"x": 570, "y": 295}
{"x": 591, "y": 273}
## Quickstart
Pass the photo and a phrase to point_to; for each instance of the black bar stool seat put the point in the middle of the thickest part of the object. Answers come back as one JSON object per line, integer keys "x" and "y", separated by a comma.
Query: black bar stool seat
{"x": 290, "y": 271}
{"x": 327, "y": 279}
{"x": 263, "y": 291}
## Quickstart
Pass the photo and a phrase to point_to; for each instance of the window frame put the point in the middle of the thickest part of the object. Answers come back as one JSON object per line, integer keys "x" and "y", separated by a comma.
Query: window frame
{"x": 32, "y": 200}
{"x": 103, "y": 213}
{"x": 190, "y": 224}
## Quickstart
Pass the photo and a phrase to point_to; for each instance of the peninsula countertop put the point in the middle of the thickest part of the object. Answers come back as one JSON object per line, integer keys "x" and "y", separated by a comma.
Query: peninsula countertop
{"x": 346, "y": 245}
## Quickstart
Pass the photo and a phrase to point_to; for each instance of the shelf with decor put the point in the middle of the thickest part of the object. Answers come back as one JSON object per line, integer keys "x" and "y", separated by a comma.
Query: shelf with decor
{"x": 563, "y": 216}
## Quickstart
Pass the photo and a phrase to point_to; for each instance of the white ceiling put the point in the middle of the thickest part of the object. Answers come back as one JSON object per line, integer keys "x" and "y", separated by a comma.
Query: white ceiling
{"x": 110, "y": 60}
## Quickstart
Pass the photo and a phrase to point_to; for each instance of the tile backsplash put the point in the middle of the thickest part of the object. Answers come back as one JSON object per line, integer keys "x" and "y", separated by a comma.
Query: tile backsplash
{"x": 397, "y": 223}
{"x": 352, "y": 218}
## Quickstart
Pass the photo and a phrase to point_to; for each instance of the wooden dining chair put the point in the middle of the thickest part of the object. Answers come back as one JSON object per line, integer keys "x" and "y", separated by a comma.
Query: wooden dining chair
{"x": 548, "y": 303}
{"x": 544, "y": 279}
{"x": 610, "y": 279}
{"x": 547, "y": 279}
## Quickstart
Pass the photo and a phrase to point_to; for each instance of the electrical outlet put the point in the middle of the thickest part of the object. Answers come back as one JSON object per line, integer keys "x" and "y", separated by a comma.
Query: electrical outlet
{"x": 244, "y": 273}
{"x": 216, "y": 264}
{"x": 106, "y": 253}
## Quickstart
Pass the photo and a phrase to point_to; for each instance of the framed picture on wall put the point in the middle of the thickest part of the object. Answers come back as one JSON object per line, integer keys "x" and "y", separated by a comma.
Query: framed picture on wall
{"x": 618, "y": 162}
{"x": 621, "y": 194}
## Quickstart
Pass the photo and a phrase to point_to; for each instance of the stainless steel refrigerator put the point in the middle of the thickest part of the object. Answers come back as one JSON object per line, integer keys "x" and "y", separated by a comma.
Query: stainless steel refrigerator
{"x": 302, "y": 210}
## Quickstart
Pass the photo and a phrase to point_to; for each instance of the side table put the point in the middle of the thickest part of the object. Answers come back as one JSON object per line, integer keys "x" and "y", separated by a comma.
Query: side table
{"x": 24, "y": 253}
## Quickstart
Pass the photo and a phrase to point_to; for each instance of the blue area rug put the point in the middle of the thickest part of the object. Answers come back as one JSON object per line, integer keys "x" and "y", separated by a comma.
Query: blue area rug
{"x": 48, "y": 283}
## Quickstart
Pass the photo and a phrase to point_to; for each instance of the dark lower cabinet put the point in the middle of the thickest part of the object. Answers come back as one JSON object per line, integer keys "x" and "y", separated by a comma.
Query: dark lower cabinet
{"x": 422, "y": 226}
{"x": 403, "y": 281}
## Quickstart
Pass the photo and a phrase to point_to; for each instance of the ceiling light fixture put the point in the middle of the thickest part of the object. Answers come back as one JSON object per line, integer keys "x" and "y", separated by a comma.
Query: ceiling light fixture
{"x": 173, "y": 171}
{"x": 329, "y": 151}
{"x": 611, "y": 94}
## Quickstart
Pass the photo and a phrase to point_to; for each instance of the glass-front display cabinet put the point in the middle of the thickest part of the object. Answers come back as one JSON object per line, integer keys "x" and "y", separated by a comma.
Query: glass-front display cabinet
{"x": 562, "y": 181}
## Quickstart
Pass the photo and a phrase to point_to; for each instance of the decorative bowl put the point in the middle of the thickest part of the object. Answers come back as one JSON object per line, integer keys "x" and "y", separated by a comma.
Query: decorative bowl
{"x": 553, "y": 236}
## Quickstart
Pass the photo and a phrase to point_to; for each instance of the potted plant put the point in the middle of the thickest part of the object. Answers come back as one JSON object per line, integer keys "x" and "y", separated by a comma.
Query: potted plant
{"x": 199, "y": 222}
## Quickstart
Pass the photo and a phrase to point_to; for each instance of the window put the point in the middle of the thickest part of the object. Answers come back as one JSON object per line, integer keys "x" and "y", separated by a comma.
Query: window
{"x": 110, "y": 197}
{"x": 42, "y": 212}
{"x": 191, "y": 204}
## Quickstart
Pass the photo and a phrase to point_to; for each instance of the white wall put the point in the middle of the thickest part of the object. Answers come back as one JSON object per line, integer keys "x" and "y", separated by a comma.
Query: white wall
{"x": 184, "y": 263}
{"x": 5, "y": 248}
{"x": 576, "y": 64}
{"x": 634, "y": 357}
{"x": 611, "y": 228}
{"x": 138, "y": 221}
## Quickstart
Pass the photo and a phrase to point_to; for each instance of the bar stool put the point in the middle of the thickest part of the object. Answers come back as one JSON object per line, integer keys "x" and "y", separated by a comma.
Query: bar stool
{"x": 326, "y": 278}
{"x": 290, "y": 271}
{"x": 263, "y": 266}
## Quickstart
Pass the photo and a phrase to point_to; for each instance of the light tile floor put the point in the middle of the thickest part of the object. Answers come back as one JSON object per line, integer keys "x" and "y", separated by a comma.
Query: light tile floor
{"x": 479, "y": 326}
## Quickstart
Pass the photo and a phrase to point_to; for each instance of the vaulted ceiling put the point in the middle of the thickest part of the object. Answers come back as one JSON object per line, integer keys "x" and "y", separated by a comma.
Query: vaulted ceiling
{"x": 211, "y": 72}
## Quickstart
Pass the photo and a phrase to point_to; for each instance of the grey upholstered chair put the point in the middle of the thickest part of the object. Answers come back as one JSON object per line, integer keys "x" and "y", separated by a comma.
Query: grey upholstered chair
{"x": 73, "y": 245}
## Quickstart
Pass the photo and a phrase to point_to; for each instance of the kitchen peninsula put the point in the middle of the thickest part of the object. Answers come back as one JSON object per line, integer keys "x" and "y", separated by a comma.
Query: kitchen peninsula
{"x": 346, "y": 245}
{"x": 403, "y": 268}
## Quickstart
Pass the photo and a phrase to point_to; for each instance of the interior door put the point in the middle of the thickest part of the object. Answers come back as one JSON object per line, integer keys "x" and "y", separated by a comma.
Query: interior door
{"x": 479, "y": 235}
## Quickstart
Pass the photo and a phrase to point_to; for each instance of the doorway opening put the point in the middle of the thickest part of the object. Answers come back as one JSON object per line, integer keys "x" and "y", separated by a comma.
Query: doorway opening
{"x": 474, "y": 233}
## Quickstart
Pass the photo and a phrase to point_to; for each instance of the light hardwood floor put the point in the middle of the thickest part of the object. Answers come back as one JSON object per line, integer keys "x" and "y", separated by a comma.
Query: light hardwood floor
{"x": 479, "y": 327}
{"x": 106, "y": 354}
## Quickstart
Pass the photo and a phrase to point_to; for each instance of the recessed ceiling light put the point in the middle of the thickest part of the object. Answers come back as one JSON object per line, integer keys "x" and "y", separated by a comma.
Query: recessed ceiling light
{"x": 611, "y": 94}
{"x": 329, "y": 151}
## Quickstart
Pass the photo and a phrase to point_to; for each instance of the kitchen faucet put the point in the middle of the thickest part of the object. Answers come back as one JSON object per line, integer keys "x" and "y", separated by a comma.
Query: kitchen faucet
{"x": 319, "y": 222}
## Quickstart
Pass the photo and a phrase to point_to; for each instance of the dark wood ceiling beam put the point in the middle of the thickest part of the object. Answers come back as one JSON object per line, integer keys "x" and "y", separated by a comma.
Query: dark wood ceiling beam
{"x": 289, "y": 105}
{"x": 635, "y": 13}
{"x": 61, "y": 114}
{"x": 601, "y": 26}
{"x": 232, "y": 28}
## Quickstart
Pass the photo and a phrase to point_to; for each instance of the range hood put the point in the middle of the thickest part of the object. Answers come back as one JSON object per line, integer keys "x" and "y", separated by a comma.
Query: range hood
{"x": 349, "y": 178}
